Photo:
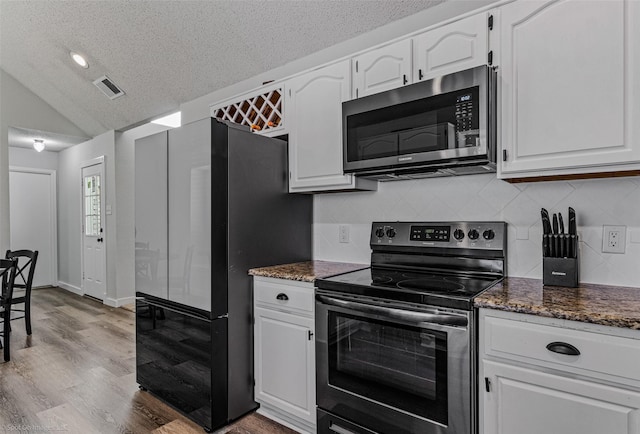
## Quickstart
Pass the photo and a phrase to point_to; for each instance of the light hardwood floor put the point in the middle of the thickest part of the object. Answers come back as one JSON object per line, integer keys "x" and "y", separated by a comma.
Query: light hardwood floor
{"x": 76, "y": 374}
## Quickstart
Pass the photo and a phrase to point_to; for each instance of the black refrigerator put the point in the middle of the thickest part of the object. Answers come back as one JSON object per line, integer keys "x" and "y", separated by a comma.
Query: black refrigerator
{"x": 211, "y": 202}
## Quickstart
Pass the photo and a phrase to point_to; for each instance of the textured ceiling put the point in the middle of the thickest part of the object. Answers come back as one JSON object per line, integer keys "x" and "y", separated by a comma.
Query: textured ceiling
{"x": 164, "y": 53}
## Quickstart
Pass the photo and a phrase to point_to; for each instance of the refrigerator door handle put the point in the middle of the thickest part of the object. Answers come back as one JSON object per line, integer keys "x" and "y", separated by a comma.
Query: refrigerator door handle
{"x": 177, "y": 310}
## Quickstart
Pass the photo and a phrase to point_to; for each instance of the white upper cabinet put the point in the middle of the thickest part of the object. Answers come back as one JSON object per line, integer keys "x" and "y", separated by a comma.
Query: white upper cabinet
{"x": 384, "y": 68}
{"x": 314, "y": 116}
{"x": 570, "y": 84}
{"x": 454, "y": 47}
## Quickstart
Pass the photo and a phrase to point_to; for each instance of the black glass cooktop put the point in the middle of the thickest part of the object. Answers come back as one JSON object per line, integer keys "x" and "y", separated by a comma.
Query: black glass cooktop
{"x": 447, "y": 290}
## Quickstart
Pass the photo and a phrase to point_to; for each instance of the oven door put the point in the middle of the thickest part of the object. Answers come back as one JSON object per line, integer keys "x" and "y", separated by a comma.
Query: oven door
{"x": 394, "y": 368}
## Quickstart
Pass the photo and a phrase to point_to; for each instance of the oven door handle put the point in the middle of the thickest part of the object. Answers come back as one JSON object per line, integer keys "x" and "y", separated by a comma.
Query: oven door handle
{"x": 399, "y": 314}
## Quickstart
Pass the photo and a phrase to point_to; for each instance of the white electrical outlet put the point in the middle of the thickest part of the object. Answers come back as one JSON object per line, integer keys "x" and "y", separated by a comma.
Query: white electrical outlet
{"x": 614, "y": 239}
{"x": 343, "y": 233}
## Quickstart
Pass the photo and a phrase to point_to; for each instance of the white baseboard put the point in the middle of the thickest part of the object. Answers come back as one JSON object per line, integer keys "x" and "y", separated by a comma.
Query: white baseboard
{"x": 117, "y": 302}
{"x": 286, "y": 420}
{"x": 70, "y": 288}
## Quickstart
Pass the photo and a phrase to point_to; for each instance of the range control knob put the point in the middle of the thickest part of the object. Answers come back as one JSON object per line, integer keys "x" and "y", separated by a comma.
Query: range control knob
{"x": 488, "y": 234}
{"x": 458, "y": 234}
{"x": 473, "y": 234}
{"x": 391, "y": 232}
{"x": 379, "y": 232}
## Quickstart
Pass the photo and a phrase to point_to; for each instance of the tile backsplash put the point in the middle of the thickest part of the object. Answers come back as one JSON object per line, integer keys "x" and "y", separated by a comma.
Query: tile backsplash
{"x": 597, "y": 202}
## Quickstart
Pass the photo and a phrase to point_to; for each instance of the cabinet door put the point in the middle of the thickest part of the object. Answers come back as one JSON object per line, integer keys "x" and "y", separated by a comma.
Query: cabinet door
{"x": 570, "y": 86}
{"x": 454, "y": 47}
{"x": 314, "y": 114}
{"x": 526, "y": 401}
{"x": 285, "y": 362}
{"x": 383, "y": 69}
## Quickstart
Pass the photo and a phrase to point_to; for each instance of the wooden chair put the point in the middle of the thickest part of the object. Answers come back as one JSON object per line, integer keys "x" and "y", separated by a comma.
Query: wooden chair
{"x": 26, "y": 260}
{"x": 8, "y": 268}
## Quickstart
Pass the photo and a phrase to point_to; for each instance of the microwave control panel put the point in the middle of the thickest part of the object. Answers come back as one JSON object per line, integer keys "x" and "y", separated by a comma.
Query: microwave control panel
{"x": 466, "y": 119}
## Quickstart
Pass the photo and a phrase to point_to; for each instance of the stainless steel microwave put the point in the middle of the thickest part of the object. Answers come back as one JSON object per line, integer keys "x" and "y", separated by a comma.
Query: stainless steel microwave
{"x": 438, "y": 127}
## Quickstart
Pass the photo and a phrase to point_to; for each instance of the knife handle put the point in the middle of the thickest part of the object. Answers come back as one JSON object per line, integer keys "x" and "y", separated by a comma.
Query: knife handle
{"x": 546, "y": 246}
{"x": 563, "y": 244}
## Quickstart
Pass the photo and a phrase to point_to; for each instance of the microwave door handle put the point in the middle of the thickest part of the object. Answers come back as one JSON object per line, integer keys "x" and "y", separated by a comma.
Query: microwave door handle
{"x": 399, "y": 314}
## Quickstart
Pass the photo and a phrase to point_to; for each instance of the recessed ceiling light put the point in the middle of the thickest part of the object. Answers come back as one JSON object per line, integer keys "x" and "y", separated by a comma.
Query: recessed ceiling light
{"x": 173, "y": 120}
{"x": 79, "y": 60}
{"x": 38, "y": 145}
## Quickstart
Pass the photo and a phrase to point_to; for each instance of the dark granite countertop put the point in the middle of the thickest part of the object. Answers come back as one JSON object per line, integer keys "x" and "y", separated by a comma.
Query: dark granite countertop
{"x": 306, "y": 271}
{"x": 615, "y": 306}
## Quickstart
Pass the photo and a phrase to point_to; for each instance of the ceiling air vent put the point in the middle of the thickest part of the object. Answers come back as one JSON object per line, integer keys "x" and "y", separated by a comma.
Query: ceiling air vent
{"x": 108, "y": 87}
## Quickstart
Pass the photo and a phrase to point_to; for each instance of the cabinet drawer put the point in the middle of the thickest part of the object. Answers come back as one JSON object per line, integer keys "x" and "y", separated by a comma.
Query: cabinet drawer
{"x": 284, "y": 296}
{"x": 527, "y": 342}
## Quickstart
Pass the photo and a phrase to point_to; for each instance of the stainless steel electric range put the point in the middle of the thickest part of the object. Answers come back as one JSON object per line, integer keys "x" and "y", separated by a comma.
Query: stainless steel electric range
{"x": 396, "y": 343}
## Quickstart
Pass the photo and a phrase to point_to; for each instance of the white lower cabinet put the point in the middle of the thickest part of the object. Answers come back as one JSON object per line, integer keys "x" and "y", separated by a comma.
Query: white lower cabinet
{"x": 525, "y": 388}
{"x": 284, "y": 355}
{"x": 528, "y": 401}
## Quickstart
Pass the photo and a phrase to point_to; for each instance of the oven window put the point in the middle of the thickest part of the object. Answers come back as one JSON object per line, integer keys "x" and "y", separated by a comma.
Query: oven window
{"x": 436, "y": 123}
{"x": 401, "y": 366}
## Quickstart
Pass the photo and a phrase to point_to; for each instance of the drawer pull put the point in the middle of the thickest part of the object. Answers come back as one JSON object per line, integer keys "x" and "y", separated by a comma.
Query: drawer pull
{"x": 282, "y": 296}
{"x": 563, "y": 348}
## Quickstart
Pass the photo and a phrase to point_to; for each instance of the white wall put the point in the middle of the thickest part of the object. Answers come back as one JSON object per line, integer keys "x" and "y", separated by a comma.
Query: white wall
{"x": 22, "y": 157}
{"x": 70, "y": 211}
{"x": 19, "y": 107}
{"x": 597, "y": 202}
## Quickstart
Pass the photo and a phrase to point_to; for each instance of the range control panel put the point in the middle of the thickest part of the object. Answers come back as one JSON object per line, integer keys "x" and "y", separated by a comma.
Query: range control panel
{"x": 468, "y": 235}
{"x": 430, "y": 233}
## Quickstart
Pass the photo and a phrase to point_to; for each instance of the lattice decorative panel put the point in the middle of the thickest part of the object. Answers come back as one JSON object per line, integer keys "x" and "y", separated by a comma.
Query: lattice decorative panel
{"x": 261, "y": 112}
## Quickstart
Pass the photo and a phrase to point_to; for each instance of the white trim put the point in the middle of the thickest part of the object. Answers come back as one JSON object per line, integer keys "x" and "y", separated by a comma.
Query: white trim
{"x": 101, "y": 160}
{"x": 53, "y": 254}
{"x": 117, "y": 302}
{"x": 70, "y": 288}
{"x": 284, "y": 419}
{"x": 92, "y": 162}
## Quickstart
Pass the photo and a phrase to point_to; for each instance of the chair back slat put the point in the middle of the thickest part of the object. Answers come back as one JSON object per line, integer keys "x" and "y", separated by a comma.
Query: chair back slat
{"x": 26, "y": 260}
{"x": 7, "y": 278}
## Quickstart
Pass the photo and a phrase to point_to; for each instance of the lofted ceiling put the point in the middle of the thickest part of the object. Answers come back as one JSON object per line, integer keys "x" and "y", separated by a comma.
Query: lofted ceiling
{"x": 164, "y": 53}
{"x": 23, "y": 138}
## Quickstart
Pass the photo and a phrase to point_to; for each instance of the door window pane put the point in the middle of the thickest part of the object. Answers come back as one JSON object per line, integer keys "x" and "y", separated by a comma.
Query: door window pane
{"x": 92, "y": 205}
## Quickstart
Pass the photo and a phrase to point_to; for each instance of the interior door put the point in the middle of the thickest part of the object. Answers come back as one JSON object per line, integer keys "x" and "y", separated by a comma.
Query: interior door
{"x": 93, "y": 246}
{"x": 32, "y": 215}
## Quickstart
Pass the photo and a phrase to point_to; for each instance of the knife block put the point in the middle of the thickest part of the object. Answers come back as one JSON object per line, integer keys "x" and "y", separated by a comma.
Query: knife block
{"x": 561, "y": 271}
